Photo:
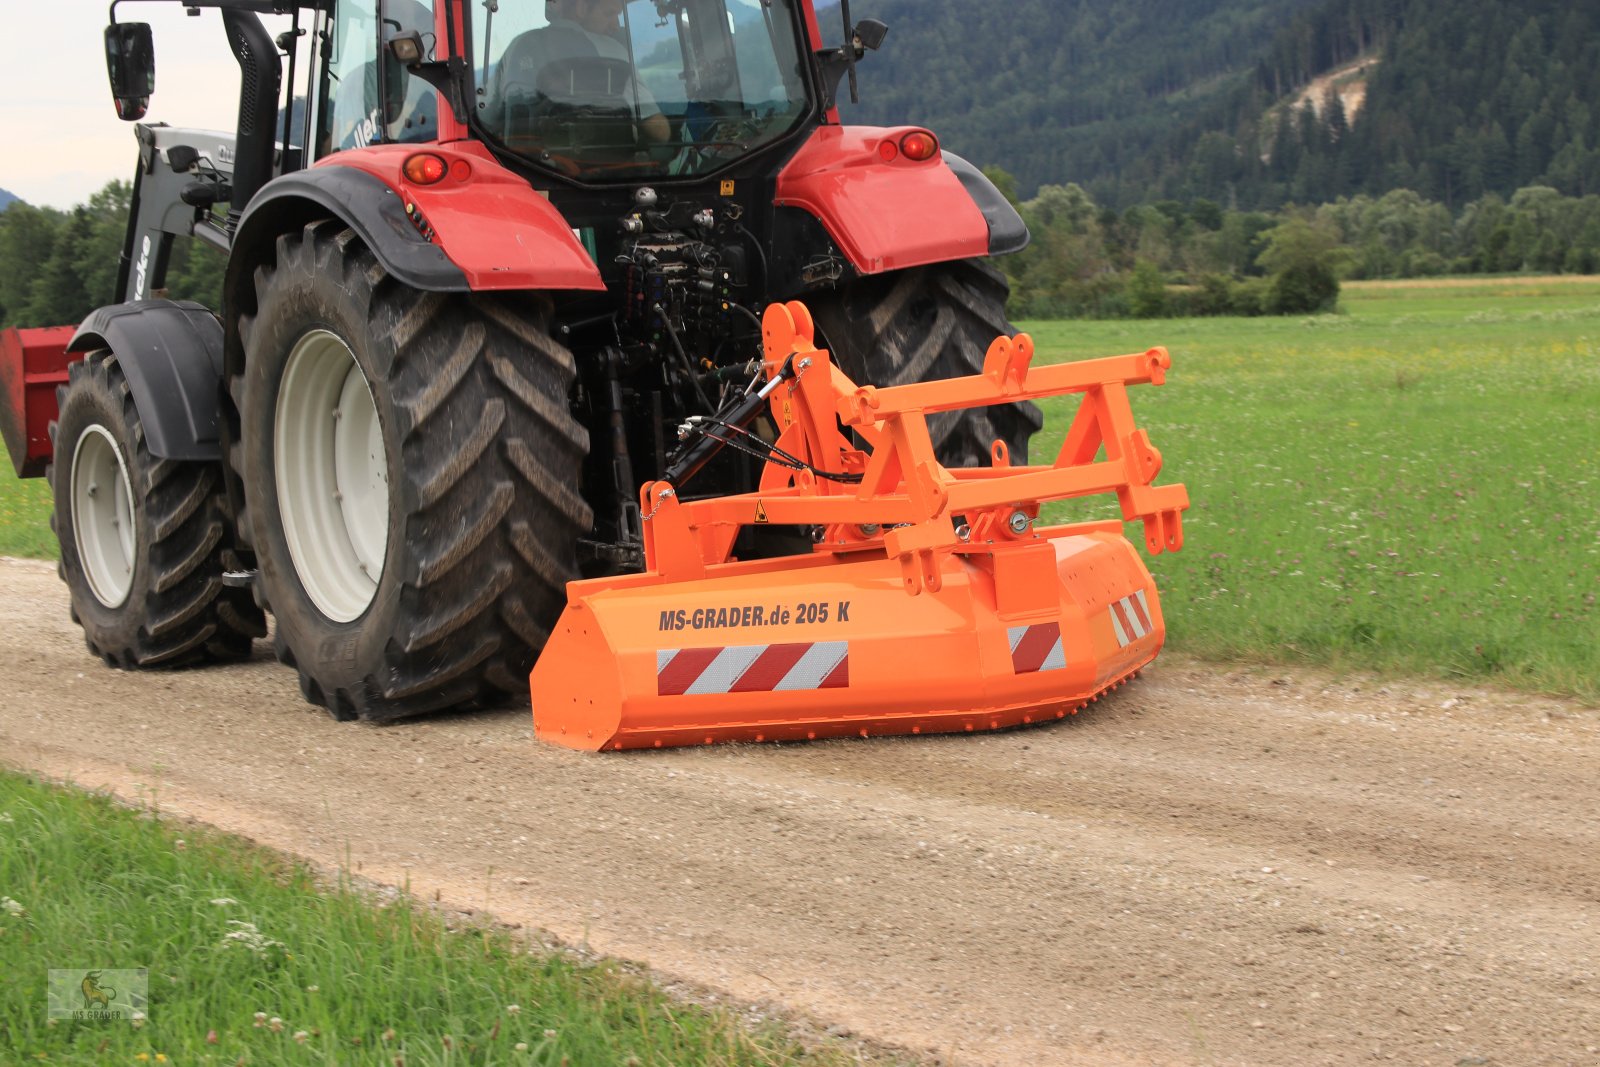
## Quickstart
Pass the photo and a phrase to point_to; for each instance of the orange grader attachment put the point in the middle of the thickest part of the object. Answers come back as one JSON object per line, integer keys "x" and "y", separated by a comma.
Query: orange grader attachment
{"x": 932, "y": 603}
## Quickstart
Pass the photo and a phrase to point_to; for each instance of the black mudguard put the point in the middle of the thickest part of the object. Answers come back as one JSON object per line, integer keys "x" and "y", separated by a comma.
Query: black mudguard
{"x": 171, "y": 355}
{"x": 1007, "y": 231}
{"x": 365, "y": 204}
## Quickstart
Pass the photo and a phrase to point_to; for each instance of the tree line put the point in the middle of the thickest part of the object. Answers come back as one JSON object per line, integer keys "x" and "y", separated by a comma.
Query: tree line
{"x": 1196, "y": 258}
{"x": 57, "y": 266}
{"x": 1086, "y": 259}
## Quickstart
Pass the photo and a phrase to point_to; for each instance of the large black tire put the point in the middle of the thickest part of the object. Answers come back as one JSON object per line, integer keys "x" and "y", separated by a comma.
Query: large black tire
{"x": 482, "y": 460}
{"x": 929, "y": 323}
{"x": 144, "y": 541}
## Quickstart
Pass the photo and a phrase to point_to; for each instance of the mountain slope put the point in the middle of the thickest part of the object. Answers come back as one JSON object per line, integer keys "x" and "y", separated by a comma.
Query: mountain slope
{"x": 7, "y": 199}
{"x": 1059, "y": 90}
{"x": 1198, "y": 98}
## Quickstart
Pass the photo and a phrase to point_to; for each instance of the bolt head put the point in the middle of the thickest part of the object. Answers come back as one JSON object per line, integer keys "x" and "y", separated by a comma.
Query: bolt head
{"x": 1019, "y": 522}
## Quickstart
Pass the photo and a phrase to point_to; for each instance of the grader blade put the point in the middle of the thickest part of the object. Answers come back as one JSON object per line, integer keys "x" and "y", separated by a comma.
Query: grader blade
{"x": 933, "y": 601}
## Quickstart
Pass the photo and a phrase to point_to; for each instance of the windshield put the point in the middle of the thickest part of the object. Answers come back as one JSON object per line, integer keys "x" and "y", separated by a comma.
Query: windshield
{"x": 600, "y": 89}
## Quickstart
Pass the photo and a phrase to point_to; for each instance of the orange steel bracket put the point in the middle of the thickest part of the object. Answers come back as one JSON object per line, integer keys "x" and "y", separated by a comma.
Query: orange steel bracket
{"x": 933, "y": 600}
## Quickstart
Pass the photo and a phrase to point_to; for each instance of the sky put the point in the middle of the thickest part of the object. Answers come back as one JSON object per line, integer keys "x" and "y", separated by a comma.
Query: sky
{"x": 64, "y": 138}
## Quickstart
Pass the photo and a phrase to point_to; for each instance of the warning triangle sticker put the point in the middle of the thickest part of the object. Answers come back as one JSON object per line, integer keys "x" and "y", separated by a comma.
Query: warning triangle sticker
{"x": 761, "y": 512}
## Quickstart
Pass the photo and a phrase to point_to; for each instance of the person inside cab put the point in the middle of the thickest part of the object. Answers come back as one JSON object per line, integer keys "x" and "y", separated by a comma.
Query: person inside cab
{"x": 573, "y": 83}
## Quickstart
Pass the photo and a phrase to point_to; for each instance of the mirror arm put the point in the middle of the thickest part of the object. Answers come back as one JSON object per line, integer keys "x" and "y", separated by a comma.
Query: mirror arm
{"x": 835, "y": 63}
{"x": 448, "y": 76}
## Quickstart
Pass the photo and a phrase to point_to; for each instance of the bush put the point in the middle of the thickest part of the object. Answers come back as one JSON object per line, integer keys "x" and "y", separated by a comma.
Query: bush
{"x": 1248, "y": 296}
{"x": 1147, "y": 291}
{"x": 1302, "y": 289}
{"x": 1213, "y": 295}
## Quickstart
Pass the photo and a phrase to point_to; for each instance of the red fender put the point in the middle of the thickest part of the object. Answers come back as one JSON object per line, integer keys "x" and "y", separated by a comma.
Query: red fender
{"x": 883, "y": 210}
{"x": 489, "y": 222}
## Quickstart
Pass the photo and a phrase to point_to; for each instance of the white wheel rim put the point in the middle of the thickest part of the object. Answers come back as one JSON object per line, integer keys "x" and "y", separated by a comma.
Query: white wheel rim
{"x": 102, "y": 515}
{"x": 332, "y": 476}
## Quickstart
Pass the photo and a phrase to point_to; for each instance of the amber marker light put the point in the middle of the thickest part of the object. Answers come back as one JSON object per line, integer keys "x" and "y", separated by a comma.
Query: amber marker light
{"x": 919, "y": 145}
{"x": 425, "y": 169}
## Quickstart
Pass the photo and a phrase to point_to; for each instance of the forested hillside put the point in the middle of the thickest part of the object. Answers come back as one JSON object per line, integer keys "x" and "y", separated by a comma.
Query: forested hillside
{"x": 6, "y": 199}
{"x": 57, "y": 266}
{"x": 1061, "y": 90}
{"x": 1145, "y": 101}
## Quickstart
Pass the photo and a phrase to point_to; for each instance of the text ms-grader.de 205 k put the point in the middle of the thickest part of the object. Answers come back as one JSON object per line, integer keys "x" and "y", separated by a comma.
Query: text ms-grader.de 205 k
{"x": 491, "y": 265}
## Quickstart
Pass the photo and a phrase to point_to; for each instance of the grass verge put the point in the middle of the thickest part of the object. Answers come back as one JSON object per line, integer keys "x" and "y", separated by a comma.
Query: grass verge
{"x": 1412, "y": 485}
{"x": 228, "y": 930}
{"x": 24, "y": 516}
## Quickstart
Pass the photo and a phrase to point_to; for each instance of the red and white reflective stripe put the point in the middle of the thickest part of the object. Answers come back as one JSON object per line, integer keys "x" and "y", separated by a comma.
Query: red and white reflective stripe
{"x": 1037, "y": 648}
{"x": 753, "y": 668}
{"x": 1130, "y": 617}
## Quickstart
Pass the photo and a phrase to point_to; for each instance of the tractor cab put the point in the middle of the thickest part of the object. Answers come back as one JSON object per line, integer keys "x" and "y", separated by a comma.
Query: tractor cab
{"x": 588, "y": 90}
{"x": 601, "y": 88}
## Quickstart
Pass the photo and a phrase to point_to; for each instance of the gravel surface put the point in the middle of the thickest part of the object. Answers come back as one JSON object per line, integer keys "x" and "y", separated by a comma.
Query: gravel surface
{"x": 1212, "y": 867}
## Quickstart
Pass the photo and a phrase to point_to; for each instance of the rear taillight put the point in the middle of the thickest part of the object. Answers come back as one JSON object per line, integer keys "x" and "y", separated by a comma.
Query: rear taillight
{"x": 919, "y": 145}
{"x": 425, "y": 168}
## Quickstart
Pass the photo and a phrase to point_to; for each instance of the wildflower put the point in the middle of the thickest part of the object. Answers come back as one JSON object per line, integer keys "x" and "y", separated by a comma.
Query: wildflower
{"x": 521, "y": 1046}
{"x": 549, "y": 1035}
{"x": 513, "y": 1009}
{"x": 300, "y": 1036}
{"x": 248, "y": 936}
{"x": 142, "y": 1057}
{"x": 179, "y": 845}
{"x": 223, "y": 902}
{"x": 211, "y": 1036}
{"x": 388, "y": 1035}
{"x": 275, "y": 1024}
{"x": 137, "y": 1019}
{"x": 161, "y": 1057}
{"x": 261, "y": 1019}
{"x": 313, "y": 989}
{"x": 11, "y": 906}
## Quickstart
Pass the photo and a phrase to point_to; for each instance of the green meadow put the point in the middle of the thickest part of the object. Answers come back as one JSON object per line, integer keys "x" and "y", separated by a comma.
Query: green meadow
{"x": 1411, "y": 485}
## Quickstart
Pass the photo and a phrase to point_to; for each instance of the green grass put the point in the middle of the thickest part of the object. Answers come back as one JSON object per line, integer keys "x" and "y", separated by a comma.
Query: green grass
{"x": 1412, "y": 485}
{"x": 338, "y": 977}
{"x": 24, "y": 516}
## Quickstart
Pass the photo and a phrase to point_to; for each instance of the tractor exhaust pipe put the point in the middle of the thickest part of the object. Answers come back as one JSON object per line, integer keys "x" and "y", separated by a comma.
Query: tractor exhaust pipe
{"x": 260, "y": 78}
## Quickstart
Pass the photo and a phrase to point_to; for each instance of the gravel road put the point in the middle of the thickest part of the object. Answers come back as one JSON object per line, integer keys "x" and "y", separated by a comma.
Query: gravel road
{"x": 1211, "y": 867}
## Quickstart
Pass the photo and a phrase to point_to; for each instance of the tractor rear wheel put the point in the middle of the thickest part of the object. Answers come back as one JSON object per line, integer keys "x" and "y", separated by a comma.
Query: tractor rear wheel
{"x": 928, "y": 323}
{"x": 410, "y": 469}
{"x": 144, "y": 541}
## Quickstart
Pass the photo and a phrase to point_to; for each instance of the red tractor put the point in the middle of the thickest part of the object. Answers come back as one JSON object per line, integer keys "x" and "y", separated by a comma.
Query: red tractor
{"x": 484, "y": 260}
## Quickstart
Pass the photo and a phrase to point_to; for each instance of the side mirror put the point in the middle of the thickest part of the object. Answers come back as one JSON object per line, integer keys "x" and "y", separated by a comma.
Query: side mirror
{"x": 869, "y": 35}
{"x": 131, "y": 62}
